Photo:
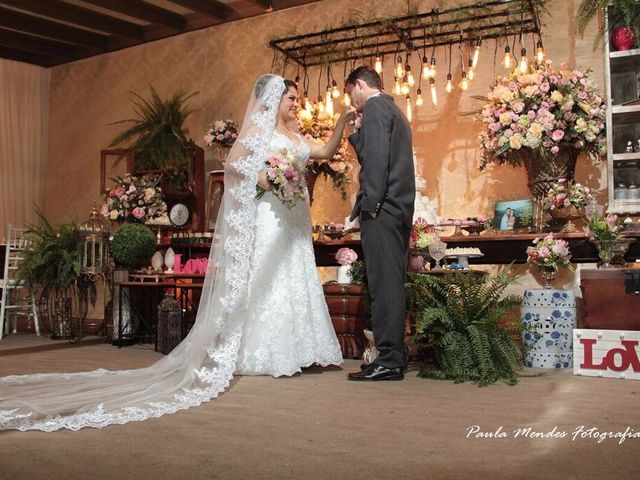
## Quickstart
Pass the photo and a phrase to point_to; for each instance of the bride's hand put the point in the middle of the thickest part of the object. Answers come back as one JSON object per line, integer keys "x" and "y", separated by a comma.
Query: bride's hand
{"x": 262, "y": 180}
{"x": 350, "y": 114}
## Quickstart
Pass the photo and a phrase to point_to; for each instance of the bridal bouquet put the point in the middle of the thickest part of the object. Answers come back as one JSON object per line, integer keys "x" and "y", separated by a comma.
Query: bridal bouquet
{"x": 286, "y": 178}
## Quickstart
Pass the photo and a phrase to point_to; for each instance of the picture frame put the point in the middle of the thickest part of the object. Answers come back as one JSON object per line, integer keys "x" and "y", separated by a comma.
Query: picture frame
{"x": 514, "y": 215}
{"x": 215, "y": 190}
{"x": 113, "y": 163}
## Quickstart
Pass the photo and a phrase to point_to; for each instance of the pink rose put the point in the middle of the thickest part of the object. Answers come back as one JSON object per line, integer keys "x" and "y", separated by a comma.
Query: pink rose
{"x": 138, "y": 212}
{"x": 555, "y": 149}
{"x": 557, "y": 135}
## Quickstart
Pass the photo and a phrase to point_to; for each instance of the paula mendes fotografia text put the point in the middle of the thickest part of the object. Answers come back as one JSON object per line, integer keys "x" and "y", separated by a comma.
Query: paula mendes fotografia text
{"x": 580, "y": 432}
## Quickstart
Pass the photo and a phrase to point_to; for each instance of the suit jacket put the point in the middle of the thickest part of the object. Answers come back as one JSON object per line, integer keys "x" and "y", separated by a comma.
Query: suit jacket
{"x": 385, "y": 153}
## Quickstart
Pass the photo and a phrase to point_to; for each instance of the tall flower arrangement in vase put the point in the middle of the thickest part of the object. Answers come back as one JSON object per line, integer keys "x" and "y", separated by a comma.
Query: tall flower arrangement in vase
{"x": 542, "y": 112}
{"x": 221, "y": 135}
{"x": 549, "y": 255}
{"x": 317, "y": 126}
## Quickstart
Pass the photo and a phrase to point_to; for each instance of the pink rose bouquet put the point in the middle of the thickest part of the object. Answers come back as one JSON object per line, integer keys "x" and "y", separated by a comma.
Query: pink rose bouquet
{"x": 346, "y": 256}
{"x": 542, "y": 111}
{"x": 549, "y": 252}
{"x": 286, "y": 178}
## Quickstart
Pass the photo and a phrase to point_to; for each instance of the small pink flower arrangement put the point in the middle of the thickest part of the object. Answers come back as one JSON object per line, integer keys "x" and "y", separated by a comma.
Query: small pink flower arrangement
{"x": 135, "y": 199}
{"x": 549, "y": 252}
{"x": 221, "y": 133}
{"x": 346, "y": 256}
{"x": 563, "y": 195}
{"x": 422, "y": 235}
{"x": 542, "y": 111}
{"x": 286, "y": 178}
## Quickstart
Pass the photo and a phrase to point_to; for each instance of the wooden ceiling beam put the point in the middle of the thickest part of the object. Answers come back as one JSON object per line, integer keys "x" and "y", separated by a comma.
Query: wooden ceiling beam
{"x": 212, "y": 8}
{"x": 143, "y": 11}
{"x": 22, "y": 22}
{"x": 79, "y": 16}
{"x": 22, "y": 41}
{"x": 24, "y": 56}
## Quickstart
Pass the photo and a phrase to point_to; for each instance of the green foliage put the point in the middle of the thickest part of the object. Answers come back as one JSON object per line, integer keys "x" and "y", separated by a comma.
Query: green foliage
{"x": 133, "y": 245}
{"x": 358, "y": 272}
{"x": 458, "y": 319}
{"x": 53, "y": 258}
{"x": 158, "y": 139}
{"x": 622, "y": 12}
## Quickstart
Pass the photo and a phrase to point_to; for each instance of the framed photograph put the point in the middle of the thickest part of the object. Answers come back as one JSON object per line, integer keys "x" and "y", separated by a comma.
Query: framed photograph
{"x": 215, "y": 189}
{"x": 513, "y": 215}
{"x": 113, "y": 163}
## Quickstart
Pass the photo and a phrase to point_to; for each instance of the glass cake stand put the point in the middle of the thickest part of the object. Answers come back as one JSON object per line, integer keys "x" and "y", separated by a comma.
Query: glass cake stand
{"x": 463, "y": 259}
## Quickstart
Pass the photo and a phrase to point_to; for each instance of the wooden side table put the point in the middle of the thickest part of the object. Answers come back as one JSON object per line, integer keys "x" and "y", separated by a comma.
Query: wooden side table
{"x": 349, "y": 314}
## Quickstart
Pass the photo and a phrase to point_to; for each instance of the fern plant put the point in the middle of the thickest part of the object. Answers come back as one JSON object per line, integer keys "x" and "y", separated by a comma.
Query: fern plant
{"x": 157, "y": 135}
{"x": 458, "y": 319}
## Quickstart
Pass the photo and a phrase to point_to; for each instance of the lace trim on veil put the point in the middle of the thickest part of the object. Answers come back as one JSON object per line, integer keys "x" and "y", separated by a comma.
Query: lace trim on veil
{"x": 203, "y": 365}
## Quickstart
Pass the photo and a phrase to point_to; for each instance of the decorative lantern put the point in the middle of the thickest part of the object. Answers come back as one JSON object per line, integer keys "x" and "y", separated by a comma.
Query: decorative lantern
{"x": 169, "y": 324}
{"x": 93, "y": 245}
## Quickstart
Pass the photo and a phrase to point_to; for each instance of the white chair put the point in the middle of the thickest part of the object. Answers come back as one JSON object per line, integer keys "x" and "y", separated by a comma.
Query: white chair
{"x": 17, "y": 299}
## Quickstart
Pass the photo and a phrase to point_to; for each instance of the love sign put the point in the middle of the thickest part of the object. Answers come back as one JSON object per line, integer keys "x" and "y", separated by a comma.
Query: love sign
{"x": 606, "y": 353}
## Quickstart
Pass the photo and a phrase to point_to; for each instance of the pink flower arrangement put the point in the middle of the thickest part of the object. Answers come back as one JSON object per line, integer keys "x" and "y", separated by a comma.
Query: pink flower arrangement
{"x": 346, "y": 256}
{"x": 422, "y": 235}
{"x": 135, "y": 199}
{"x": 286, "y": 178}
{"x": 221, "y": 133}
{"x": 563, "y": 195}
{"x": 542, "y": 111}
{"x": 318, "y": 126}
{"x": 549, "y": 252}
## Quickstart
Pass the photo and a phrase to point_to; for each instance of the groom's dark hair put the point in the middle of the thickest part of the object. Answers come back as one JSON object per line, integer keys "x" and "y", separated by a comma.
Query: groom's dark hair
{"x": 367, "y": 74}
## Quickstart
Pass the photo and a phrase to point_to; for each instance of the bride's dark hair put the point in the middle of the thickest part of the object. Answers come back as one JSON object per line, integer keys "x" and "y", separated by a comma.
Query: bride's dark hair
{"x": 289, "y": 84}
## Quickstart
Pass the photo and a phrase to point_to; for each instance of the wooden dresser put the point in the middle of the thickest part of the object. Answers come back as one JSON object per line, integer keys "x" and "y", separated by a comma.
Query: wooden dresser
{"x": 606, "y": 304}
{"x": 349, "y": 314}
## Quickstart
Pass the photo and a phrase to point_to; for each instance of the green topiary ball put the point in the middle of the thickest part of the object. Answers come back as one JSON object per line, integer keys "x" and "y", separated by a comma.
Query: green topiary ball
{"x": 133, "y": 245}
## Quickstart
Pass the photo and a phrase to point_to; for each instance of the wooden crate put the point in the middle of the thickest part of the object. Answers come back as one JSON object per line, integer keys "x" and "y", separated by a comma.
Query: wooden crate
{"x": 606, "y": 305}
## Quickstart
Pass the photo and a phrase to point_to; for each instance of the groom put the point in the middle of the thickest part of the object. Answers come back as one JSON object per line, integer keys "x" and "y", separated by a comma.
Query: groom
{"x": 384, "y": 205}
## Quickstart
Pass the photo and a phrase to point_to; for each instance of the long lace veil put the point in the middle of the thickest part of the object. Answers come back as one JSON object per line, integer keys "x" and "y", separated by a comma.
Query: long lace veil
{"x": 202, "y": 366}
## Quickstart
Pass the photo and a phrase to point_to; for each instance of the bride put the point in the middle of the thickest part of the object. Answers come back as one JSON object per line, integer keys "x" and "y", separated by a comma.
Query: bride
{"x": 262, "y": 309}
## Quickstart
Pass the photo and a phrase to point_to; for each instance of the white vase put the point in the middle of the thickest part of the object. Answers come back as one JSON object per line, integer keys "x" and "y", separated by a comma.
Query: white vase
{"x": 169, "y": 259}
{"x": 157, "y": 261}
{"x": 344, "y": 274}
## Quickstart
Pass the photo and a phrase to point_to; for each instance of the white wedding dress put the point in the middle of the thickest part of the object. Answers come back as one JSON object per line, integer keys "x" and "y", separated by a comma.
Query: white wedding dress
{"x": 262, "y": 308}
{"x": 287, "y": 325}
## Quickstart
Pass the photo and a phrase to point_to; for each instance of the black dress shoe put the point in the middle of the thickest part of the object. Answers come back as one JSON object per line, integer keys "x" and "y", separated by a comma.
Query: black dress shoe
{"x": 376, "y": 373}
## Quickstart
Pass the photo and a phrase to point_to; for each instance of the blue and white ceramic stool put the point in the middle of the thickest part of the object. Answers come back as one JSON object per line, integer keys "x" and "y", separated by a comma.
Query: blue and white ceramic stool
{"x": 548, "y": 319}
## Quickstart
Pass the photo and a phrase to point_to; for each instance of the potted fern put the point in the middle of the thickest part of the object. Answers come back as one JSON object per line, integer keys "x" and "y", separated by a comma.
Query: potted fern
{"x": 623, "y": 21}
{"x": 459, "y": 328}
{"x": 156, "y": 139}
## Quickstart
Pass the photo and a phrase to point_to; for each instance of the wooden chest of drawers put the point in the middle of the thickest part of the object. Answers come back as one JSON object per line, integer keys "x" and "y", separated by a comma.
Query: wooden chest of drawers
{"x": 606, "y": 304}
{"x": 349, "y": 314}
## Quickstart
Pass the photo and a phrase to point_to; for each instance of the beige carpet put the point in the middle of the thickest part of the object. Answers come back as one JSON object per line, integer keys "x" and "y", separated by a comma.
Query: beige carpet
{"x": 319, "y": 426}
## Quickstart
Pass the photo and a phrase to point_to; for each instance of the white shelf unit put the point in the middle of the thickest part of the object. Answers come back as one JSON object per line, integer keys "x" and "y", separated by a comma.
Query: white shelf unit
{"x": 622, "y": 88}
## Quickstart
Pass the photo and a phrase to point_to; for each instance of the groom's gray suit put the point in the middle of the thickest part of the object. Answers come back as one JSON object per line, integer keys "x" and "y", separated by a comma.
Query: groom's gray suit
{"x": 387, "y": 192}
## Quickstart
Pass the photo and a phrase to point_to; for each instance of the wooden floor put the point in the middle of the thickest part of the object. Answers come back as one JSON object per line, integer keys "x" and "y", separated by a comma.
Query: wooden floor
{"x": 21, "y": 343}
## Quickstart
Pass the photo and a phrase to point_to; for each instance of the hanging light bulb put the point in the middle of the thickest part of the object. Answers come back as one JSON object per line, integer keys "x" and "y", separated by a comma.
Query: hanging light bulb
{"x": 524, "y": 63}
{"x": 464, "y": 83}
{"x": 426, "y": 71}
{"x": 432, "y": 68}
{"x": 404, "y": 88}
{"x": 410, "y": 80}
{"x": 307, "y": 103}
{"x": 378, "y": 65}
{"x": 346, "y": 99}
{"x": 476, "y": 53}
{"x": 448, "y": 87}
{"x": 397, "y": 88}
{"x": 327, "y": 96}
{"x": 320, "y": 104}
{"x": 399, "y": 68}
{"x": 409, "y": 109}
{"x": 434, "y": 92}
{"x": 329, "y": 107}
{"x": 507, "y": 60}
{"x": 539, "y": 52}
{"x": 335, "y": 93}
{"x": 419, "y": 100}
{"x": 471, "y": 72}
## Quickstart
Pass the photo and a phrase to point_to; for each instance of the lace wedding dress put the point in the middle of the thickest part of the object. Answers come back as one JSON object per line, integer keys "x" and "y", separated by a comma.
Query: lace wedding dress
{"x": 288, "y": 324}
{"x": 261, "y": 310}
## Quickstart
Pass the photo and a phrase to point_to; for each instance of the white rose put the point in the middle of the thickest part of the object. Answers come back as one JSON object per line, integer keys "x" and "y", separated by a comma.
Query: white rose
{"x": 536, "y": 130}
{"x": 516, "y": 141}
